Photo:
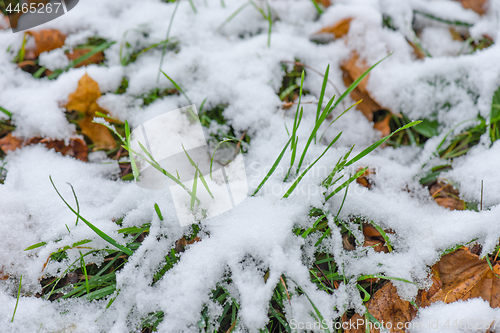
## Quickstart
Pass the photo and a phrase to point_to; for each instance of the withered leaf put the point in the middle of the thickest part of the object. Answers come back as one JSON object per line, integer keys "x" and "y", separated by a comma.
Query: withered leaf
{"x": 463, "y": 276}
{"x": 75, "y": 147}
{"x": 45, "y": 40}
{"x": 10, "y": 142}
{"x": 180, "y": 244}
{"x": 84, "y": 100}
{"x": 365, "y": 179}
{"x": 387, "y": 307}
{"x": 339, "y": 29}
{"x": 445, "y": 195}
{"x": 479, "y": 6}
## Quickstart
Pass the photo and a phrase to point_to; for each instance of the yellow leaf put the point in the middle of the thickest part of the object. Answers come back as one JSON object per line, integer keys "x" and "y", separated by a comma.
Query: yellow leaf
{"x": 84, "y": 100}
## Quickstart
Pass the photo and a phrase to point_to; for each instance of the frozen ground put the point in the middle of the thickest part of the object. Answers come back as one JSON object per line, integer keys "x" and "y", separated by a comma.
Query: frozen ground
{"x": 235, "y": 66}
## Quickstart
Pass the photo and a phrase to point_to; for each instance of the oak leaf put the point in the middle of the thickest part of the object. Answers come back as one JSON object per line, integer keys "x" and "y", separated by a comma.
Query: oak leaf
{"x": 84, "y": 101}
{"x": 479, "y": 6}
{"x": 10, "y": 142}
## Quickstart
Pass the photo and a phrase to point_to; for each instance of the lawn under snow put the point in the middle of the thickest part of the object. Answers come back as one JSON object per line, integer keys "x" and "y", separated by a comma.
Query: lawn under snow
{"x": 235, "y": 66}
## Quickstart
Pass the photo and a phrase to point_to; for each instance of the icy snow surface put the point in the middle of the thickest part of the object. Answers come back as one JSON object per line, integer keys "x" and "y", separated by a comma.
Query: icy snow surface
{"x": 234, "y": 65}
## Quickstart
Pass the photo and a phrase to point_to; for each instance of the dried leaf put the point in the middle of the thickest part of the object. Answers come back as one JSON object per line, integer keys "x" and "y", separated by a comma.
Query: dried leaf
{"x": 76, "y": 147}
{"x": 45, "y": 40}
{"x": 339, "y": 29}
{"x": 181, "y": 243}
{"x": 374, "y": 238}
{"x": 365, "y": 180}
{"x": 383, "y": 125}
{"x": 445, "y": 195}
{"x": 387, "y": 307}
{"x": 84, "y": 100}
{"x": 352, "y": 69}
{"x": 10, "y": 142}
{"x": 479, "y": 6}
{"x": 463, "y": 276}
{"x": 77, "y": 53}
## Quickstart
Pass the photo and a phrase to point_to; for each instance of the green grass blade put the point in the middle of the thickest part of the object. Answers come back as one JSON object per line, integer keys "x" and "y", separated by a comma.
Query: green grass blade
{"x": 9, "y": 114}
{"x": 297, "y": 181}
{"x": 203, "y": 181}
{"x": 273, "y": 168}
{"x": 384, "y": 235}
{"x": 233, "y": 15}
{"x": 379, "y": 142}
{"x": 166, "y": 38}
{"x": 34, "y": 246}
{"x": 323, "y": 88}
{"x": 84, "y": 269}
{"x": 17, "y": 300}
{"x": 193, "y": 192}
{"x": 346, "y": 183}
{"x": 340, "y": 115}
{"x": 158, "y": 212}
{"x": 320, "y": 11}
{"x": 365, "y": 277}
{"x": 177, "y": 87}
{"x": 99, "y": 232}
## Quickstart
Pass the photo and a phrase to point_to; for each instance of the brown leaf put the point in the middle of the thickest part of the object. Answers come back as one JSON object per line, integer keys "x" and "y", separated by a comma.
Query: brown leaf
{"x": 383, "y": 125}
{"x": 76, "y": 148}
{"x": 84, "y": 100}
{"x": 352, "y": 69}
{"x": 479, "y": 6}
{"x": 10, "y": 142}
{"x": 339, "y": 29}
{"x": 45, "y": 40}
{"x": 387, "y": 307}
{"x": 181, "y": 243}
{"x": 463, "y": 276}
{"x": 365, "y": 180}
{"x": 77, "y": 53}
{"x": 374, "y": 238}
{"x": 445, "y": 195}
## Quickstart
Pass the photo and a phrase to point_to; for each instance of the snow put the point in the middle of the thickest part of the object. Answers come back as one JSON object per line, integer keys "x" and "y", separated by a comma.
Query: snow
{"x": 233, "y": 65}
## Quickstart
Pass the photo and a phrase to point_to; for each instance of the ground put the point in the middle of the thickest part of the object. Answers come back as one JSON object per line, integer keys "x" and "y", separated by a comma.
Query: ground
{"x": 85, "y": 249}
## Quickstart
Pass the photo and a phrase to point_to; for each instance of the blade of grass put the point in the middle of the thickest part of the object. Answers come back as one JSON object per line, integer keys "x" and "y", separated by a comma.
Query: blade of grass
{"x": 99, "y": 232}
{"x": 346, "y": 183}
{"x": 233, "y": 15}
{"x": 379, "y": 142}
{"x": 158, "y": 212}
{"x": 297, "y": 181}
{"x": 17, "y": 300}
{"x": 384, "y": 235}
{"x": 9, "y": 114}
{"x": 199, "y": 171}
{"x": 177, "y": 86}
{"x": 166, "y": 38}
{"x": 273, "y": 168}
{"x": 193, "y": 192}
{"x": 84, "y": 269}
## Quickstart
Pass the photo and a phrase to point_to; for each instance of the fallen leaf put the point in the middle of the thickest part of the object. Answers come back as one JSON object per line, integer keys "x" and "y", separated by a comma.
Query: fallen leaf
{"x": 75, "y": 147}
{"x": 93, "y": 59}
{"x": 463, "y": 276}
{"x": 479, "y": 6}
{"x": 365, "y": 179}
{"x": 339, "y": 29}
{"x": 352, "y": 69}
{"x": 181, "y": 243}
{"x": 84, "y": 100}
{"x": 45, "y": 40}
{"x": 10, "y": 142}
{"x": 387, "y": 307}
{"x": 383, "y": 125}
{"x": 374, "y": 238}
{"x": 445, "y": 195}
